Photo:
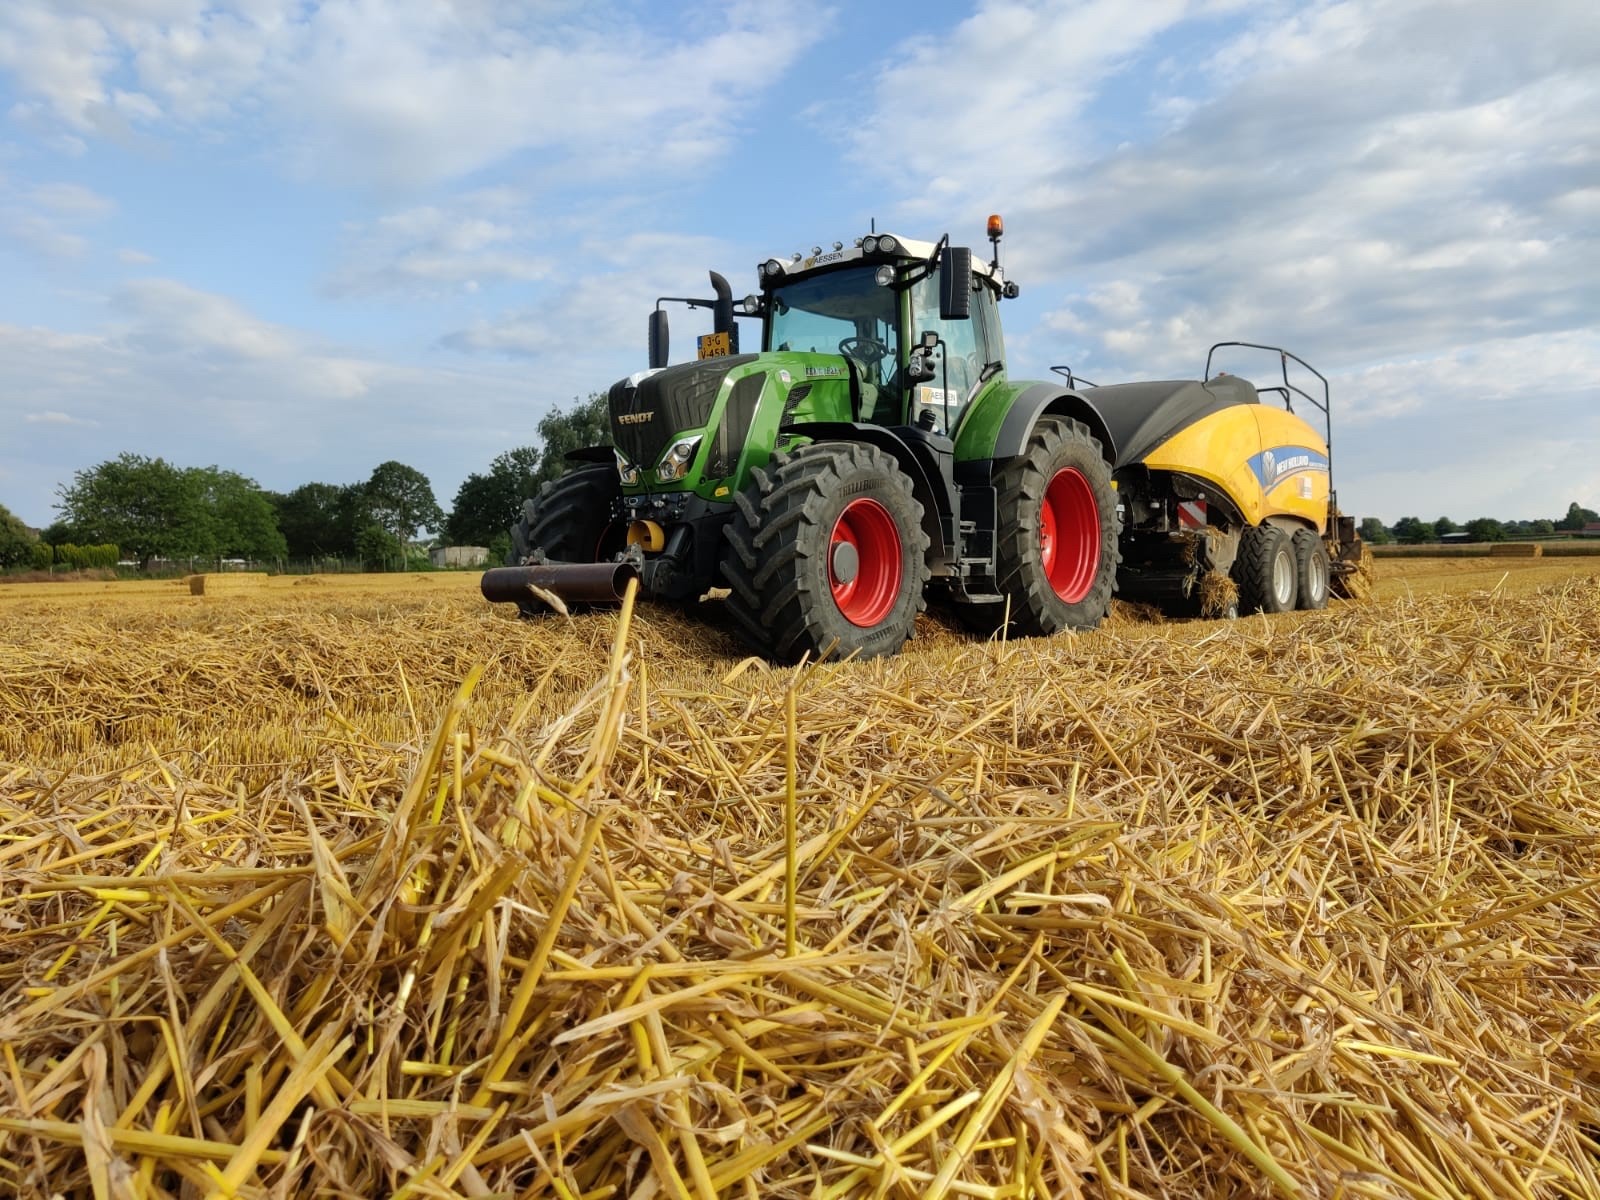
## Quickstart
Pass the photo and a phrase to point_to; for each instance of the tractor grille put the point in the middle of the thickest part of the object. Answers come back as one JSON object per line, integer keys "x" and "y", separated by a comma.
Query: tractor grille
{"x": 735, "y": 426}
{"x": 792, "y": 404}
{"x": 671, "y": 401}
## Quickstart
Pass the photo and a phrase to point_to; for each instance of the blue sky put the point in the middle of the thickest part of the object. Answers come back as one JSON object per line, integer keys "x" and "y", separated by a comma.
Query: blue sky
{"x": 297, "y": 238}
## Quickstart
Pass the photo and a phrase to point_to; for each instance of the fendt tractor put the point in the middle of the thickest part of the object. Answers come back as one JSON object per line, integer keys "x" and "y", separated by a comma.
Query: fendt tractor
{"x": 874, "y": 451}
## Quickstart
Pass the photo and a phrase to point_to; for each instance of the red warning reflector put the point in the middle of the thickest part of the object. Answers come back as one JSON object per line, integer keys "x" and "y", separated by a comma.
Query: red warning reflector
{"x": 1191, "y": 514}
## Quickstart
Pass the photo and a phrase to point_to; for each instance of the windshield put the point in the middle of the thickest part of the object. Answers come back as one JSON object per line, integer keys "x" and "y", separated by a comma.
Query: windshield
{"x": 844, "y": 312}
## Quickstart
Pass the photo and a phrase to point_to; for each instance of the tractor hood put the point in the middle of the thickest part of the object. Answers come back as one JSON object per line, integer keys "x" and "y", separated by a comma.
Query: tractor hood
{"x": 647, "y": 411}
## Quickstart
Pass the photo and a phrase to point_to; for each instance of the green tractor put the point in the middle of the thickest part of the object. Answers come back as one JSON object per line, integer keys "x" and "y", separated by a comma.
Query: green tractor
{"x": 874, "y": 452}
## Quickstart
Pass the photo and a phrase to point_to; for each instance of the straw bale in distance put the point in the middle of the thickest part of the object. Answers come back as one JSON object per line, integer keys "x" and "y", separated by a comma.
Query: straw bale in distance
{"x": 225, "y": 582}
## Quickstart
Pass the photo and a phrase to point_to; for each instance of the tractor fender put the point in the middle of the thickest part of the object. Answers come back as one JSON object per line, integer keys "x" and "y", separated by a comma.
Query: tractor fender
{"x": 1040, "y": 399}
{"x": 929, "y": 484}
{"x": 591, "y": 454}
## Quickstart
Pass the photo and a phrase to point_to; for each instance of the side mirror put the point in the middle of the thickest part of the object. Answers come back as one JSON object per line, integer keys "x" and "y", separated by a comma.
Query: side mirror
{"x": 658, "y": 338}
{"x": 955, "y": 283}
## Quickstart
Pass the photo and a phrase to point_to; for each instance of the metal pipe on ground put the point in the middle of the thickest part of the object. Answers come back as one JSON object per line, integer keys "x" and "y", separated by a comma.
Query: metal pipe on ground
{"x": 585, "y": 583}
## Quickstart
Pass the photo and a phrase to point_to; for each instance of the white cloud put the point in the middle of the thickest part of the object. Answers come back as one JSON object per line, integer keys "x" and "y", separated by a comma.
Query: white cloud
{"x": 41, "y": 236}
{"x": 168, "y": 317}
{"x": 71, "y": 200}
{"x": 57, "y": 58}
{"x": 993, "y": 107}
{"x": 53, "y": 417}
{"x": 582, "y": 321}
{"x": 1403, "y": 193}
{"x": 404, "y": 93}
{"x": 271, "y": 402}
{"x": 44, "y": 217}
{"x": 481, "y": 237}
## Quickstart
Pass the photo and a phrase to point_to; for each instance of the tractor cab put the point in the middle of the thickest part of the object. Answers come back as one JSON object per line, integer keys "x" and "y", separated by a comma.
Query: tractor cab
{"x": 915, "y": 322}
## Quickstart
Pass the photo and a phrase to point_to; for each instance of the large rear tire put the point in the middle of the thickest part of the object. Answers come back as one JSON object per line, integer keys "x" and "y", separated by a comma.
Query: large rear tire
{"x": 1056, "y": 550}
{"x": 571, "y": 520}
{"x": 1311, "y": 569}
{"x": 1265, "y": 571}
{"x": 827, "y": 554}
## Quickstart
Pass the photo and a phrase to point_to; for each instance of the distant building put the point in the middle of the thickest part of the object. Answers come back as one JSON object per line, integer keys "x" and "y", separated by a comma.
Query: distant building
{"x": 459, "y": 556}
{"x": 1590, "y": 529}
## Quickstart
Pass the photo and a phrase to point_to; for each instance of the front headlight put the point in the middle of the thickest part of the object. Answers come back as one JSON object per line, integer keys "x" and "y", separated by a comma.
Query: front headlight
{"x": 675, "y": 462}
{"x": 628, "y": 472}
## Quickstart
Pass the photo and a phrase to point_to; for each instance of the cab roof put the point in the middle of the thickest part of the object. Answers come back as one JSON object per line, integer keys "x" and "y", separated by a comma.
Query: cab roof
{"x": 778, "y": 268}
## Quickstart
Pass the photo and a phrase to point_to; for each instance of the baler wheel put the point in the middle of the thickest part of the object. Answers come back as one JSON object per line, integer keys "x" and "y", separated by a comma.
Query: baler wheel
{"x": 1265, "y": 570}
{"x": 1311, "y": 569}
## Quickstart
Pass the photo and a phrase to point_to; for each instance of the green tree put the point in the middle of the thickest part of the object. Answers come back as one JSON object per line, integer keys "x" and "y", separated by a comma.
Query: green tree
{"x": 378, "y": 548}
{"x": 1543, "y": 527}
{"x": 319, "y": 519}
{"x": 146, "y": 506}
{"x": 587, "y": 424}
{"x": 1412, "y": 531}
{"x": 16, "y": 541}
{"x": 1443, "y": 526}
{"x": 246, "y": 524}
{"x": 400, "y": 499}
{"x": 1577, "y": 517}
{"x": 1373, "y": 532}
{"x": 1486, "y": 529}
{"x": 486, "y": 506}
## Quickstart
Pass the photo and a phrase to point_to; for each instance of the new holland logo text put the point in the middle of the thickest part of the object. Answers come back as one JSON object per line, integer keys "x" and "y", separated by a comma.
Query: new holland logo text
{"x": 1279, "y": 463}
{"x": 633, "y": 418}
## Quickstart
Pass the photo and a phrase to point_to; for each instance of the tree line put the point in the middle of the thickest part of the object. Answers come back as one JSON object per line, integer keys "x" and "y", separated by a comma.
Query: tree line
{"x": 146, "y": 509}
{"x": 1414, "y": 531}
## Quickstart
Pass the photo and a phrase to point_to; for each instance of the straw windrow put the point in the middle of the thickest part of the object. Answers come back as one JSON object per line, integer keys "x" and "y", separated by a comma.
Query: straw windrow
{"x": 1303, "y": 906}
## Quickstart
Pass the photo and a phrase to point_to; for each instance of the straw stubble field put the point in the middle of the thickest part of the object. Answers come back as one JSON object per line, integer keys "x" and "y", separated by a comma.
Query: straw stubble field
{"x": 353, "y": 889}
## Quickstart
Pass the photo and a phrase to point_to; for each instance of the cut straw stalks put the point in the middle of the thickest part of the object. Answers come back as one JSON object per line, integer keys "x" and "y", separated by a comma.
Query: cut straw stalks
{"x": 1298, "y": 906}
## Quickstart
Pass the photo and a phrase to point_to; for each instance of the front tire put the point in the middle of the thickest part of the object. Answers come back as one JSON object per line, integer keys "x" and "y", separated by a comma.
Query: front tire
{"x": 827, "y": 553}
{"x": 571, "y": 520}
{"x": 1056, "y": 550}
{"x": 1265, "y": 571}
{"x": 1311, "y": 569}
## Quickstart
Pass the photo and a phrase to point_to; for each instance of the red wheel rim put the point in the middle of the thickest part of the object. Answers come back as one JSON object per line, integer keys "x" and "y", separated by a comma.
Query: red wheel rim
{"x": 866, "y": 597}
{"x": 1069, "y": 535}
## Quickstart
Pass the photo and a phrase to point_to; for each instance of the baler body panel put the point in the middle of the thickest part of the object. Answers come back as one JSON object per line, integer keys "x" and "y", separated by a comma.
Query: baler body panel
{"x": 1269, "y": 462}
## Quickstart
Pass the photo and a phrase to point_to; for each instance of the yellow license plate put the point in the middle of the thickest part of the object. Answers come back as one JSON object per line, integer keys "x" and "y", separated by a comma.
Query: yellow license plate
{"x": 715, "y": 345}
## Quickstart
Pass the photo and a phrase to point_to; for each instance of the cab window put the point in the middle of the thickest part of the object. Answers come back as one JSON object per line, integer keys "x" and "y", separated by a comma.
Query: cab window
{"x": 968, "y": 345}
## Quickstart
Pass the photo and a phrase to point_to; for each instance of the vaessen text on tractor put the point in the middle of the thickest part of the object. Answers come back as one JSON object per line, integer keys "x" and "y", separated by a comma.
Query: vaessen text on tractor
{"x": 875, "y": 451}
